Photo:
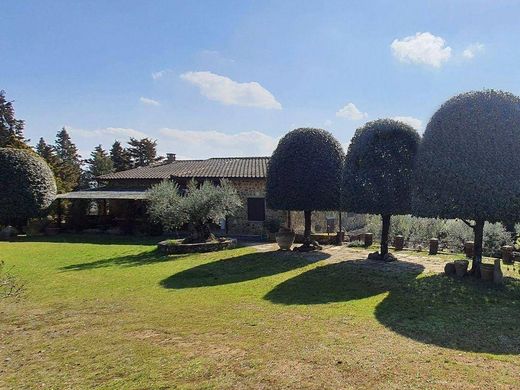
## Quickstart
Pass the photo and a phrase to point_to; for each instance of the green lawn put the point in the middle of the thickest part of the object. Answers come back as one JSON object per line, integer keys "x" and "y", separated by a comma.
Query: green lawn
{"x": 112, "y": 313}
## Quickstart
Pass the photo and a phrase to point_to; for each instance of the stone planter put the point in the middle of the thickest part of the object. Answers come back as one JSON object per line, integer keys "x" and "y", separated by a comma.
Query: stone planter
{"x": 174, "y": 247}
{"x": 461, "y": 267}
{"x": 468, "y": 249}
{"x": 285, "y": 240}
{"x": 398, "y": 243}
{"x": 487, "y": 272}
{"x": 434, "y": 246}
{"x": 507, "y": 254}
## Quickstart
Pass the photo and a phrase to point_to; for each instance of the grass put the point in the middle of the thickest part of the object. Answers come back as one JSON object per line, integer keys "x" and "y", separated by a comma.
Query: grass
{"x": 113, "y": 313}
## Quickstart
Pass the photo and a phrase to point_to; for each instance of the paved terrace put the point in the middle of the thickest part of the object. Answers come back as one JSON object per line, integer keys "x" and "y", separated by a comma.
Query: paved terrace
{"x": 407, "y": 260}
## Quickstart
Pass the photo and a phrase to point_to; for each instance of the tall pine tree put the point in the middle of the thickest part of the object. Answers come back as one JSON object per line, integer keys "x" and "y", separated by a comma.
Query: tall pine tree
{"x": 143, "y": 151}
{"x": 69, "y": 168}
{"x": 11, "y": 129}
{"x": 121, "y": 158}
{"x": 48, "y": 153}
{"x": 99, "y": 163}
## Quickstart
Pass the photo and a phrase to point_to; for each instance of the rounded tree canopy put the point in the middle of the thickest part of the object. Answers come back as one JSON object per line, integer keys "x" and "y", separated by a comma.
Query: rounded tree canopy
{"x": 467, "y": 165}
{"x": 27, "y": 185}
{"x": 304, "y": 172}
{"x": 378, "y": 168}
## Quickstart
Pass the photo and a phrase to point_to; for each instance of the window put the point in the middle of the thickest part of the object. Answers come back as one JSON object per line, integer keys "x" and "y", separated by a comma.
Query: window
{"x": 256, "y": 209}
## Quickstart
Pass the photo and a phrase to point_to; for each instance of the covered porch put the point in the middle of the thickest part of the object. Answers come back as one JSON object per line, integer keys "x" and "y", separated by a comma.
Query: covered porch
{"x": 121, "y": 211}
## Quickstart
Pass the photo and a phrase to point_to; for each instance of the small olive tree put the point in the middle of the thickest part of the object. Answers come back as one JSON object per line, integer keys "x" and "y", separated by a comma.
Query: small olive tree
{"x": 197, "y": 206}
{"x": 304, "y": 173}
{"x": 27, "y": 186}
{"x": 467, "y": 164}
{"x": 9, "y": 285}
{"x": 378, "y": 171}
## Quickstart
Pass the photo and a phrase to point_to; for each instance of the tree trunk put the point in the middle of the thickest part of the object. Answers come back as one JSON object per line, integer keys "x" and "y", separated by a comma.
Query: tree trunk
{"x": 384, "y": 233}
{"x": 289, "y": 222}
{"x": 307, "y": 231}
{"x": 478, "y": 231}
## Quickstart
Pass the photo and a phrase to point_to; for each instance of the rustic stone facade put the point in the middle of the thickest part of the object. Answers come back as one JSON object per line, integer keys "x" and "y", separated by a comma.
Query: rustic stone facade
{"x": 240, "y": 223}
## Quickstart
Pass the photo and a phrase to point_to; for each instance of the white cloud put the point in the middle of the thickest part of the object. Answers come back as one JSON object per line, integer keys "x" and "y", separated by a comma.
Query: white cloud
{"x": 226, "y": 91}
{"x": 160, "y": 74}
{"x": 114, "y": 132}
{"x": 205, "y": 144}
{"x": 149, "y": 102}
{"x": 421, "y": 48}
{"x": 350, "y": 111}
{"x": 472, "y": 50}
{"x": 410, "y": 120}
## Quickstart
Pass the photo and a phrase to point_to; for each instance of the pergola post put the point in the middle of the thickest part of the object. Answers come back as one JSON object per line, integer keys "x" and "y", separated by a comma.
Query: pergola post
{"x": 59, "y": 212}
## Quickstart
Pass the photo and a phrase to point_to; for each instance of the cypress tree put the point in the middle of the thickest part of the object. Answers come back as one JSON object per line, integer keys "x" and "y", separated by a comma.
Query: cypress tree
{"x": 99, "y": 163}
{"x": 69, "y": 167}
{"x": 121, "y": 158}
{"x": 143, "y": 152}
{"x": 11, "y": 129}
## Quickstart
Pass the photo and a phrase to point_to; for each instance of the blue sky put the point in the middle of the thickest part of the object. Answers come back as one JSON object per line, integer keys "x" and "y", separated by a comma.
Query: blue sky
{"x": 217, "y": 78}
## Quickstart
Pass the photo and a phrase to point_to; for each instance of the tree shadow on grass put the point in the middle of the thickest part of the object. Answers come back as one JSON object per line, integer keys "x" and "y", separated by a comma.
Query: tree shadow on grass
{"x": 143, "y": 258}
{"x": 344, "y": 281}
{"x": 467, "y": 315}
{"x": 240, "y": 268}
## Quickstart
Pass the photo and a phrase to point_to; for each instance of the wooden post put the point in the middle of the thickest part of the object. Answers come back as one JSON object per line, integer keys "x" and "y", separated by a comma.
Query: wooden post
{"x": 59, "y": 212}
{"x": 289, "y": 222}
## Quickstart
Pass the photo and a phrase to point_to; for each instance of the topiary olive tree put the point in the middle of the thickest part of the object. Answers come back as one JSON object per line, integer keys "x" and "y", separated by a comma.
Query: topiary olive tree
{"x": 304, "y": 173}
{"x": 27, "y": 186}
{"x": 467, "y": 164}
{"x": 378, "y": 171}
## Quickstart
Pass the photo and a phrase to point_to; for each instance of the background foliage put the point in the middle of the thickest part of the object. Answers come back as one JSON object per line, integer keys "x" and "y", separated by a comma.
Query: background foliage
{"x": 452, "y": 233}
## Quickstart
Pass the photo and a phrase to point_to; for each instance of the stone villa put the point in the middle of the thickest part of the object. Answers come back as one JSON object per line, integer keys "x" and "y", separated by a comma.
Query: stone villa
{"x": 247, "y": 174}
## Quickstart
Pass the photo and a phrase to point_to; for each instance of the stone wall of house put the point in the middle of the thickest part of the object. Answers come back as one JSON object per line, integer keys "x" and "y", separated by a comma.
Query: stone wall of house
{"x": 239, "y": 224}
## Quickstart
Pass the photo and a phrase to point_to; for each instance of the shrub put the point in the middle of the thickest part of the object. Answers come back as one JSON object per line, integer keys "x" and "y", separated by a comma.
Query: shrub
{"x": 378, "y": 171}
{"x": 467, "y": 163}
{"x": 304, "y": 174}
{"x": 27, "y": 186}
{"x": 198, "y": 206}
{"x": 9, "y": 285}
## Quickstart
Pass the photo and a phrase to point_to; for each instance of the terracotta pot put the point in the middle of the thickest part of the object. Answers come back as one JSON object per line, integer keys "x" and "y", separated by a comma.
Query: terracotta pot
{"x": 487, "y": 272}
{"x": 285, "y": 240}
{"x": 461, "y": 267}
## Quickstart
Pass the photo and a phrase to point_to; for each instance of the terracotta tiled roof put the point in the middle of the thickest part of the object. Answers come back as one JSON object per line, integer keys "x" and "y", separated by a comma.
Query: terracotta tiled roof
{"x": 226, "y": 167}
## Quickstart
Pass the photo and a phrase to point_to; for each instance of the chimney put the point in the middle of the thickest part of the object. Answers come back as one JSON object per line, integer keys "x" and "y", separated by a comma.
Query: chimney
{"x": 170, "y": 157}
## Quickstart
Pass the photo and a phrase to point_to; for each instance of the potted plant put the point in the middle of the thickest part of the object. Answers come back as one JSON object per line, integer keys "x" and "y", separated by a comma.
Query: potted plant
{"x": 271, "y": 226}
{"x": 461, "y": 267}
{"x": 487, "y": 271}
{"x": 285, "y": 238}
